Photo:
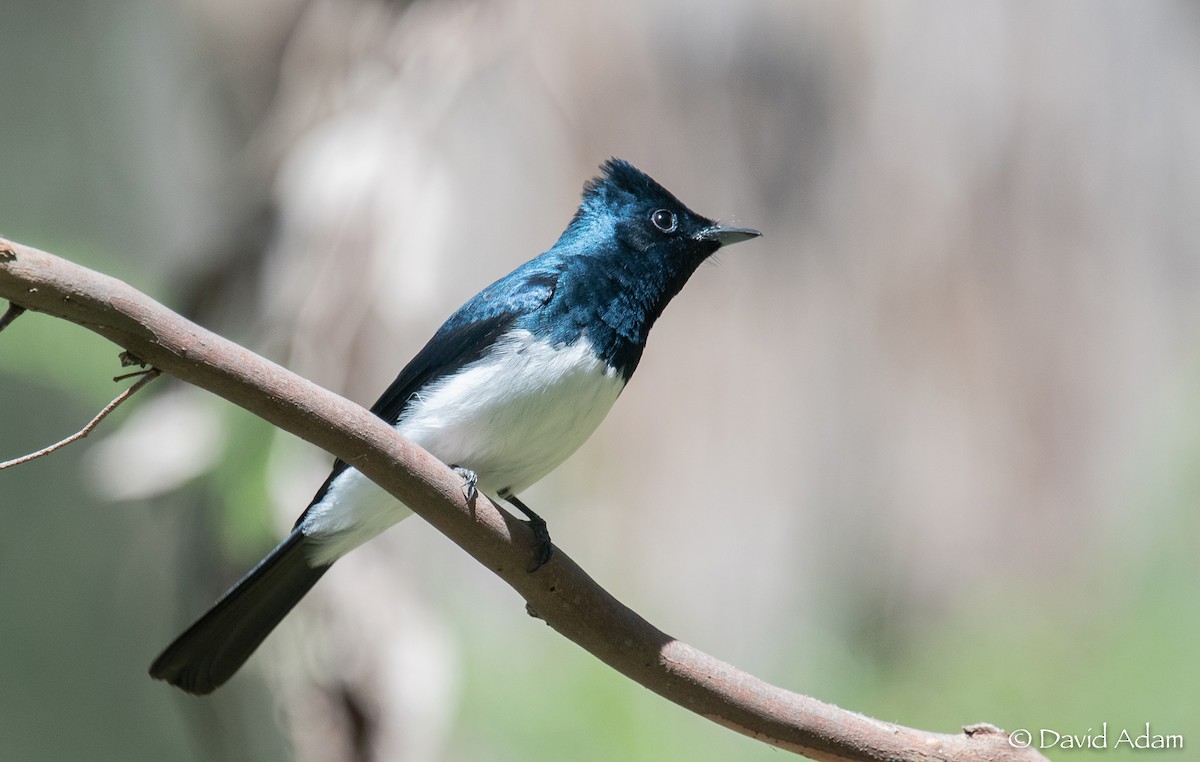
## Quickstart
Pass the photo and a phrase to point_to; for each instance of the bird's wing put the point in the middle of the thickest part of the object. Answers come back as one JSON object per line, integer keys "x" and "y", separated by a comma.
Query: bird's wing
{"x": 461, "y": 340}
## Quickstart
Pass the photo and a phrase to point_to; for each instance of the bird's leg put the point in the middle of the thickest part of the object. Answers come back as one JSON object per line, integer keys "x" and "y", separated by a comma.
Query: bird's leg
{"x": 469, "y": 476}
{"x": 541, "y": 534}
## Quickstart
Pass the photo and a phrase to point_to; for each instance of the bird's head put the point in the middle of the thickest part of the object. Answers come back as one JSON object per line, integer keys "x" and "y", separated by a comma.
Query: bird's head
{"x": 627, "y": 252}
{"x": 625, "y": 207}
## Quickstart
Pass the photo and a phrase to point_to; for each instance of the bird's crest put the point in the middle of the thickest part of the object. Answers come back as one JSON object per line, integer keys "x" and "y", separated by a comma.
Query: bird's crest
{"x": 620, "y": 183}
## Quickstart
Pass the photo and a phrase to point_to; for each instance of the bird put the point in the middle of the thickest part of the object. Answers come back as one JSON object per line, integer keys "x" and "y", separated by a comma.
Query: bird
{"x": 511, "y": 385}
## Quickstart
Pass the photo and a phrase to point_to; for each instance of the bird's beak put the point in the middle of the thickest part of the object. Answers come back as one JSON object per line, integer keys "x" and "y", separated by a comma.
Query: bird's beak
{"x": 726, "y": 235}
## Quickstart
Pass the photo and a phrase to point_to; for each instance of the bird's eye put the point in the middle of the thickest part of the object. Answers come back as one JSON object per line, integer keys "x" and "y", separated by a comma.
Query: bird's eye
{"x": 664, "y": 220}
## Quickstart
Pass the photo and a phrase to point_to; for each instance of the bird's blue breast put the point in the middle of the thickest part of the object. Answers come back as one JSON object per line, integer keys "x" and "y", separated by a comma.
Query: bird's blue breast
{"x": 561, "y": 298}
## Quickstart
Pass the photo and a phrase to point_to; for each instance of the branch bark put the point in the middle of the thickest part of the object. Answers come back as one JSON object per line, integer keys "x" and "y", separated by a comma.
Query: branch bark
{"x": 560, "y": 592}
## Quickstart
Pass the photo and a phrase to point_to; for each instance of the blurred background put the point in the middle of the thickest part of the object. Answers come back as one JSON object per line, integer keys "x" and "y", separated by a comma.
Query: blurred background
{"x": 929, "y": 449}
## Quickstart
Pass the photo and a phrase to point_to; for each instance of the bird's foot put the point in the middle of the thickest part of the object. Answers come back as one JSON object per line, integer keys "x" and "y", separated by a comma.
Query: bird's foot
{"x": 543, "y": 550}
{"x": 471, "y": 480}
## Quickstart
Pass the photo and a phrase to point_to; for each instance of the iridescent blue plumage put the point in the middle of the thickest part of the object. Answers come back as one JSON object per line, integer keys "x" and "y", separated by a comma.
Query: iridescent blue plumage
{"x": 610, "y": 274}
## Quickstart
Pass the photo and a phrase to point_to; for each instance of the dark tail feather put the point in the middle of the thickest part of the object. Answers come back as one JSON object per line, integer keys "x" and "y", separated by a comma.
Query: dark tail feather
{"x": 211, "y": 650}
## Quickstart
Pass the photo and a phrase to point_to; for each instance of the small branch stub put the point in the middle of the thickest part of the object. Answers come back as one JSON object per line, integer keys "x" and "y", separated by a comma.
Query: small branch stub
{"x": 12, "y": 313}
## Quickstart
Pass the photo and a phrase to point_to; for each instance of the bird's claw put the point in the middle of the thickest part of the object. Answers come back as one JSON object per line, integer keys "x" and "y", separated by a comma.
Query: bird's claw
{"x": 543, "y": 549}
{"x": 471, "y": 480}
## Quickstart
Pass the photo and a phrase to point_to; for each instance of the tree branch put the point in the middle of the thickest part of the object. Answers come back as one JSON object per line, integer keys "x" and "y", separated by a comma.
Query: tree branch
{"x": 560, "y": 592}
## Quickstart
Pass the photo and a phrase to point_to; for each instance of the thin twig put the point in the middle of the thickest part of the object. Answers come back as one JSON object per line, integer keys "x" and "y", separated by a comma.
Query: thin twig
{"x": 146, "y": 377}
{"x": 14, "y": 311}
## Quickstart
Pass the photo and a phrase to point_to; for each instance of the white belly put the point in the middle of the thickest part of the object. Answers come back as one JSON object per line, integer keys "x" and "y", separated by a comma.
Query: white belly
{"x": 511, "y": 417}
